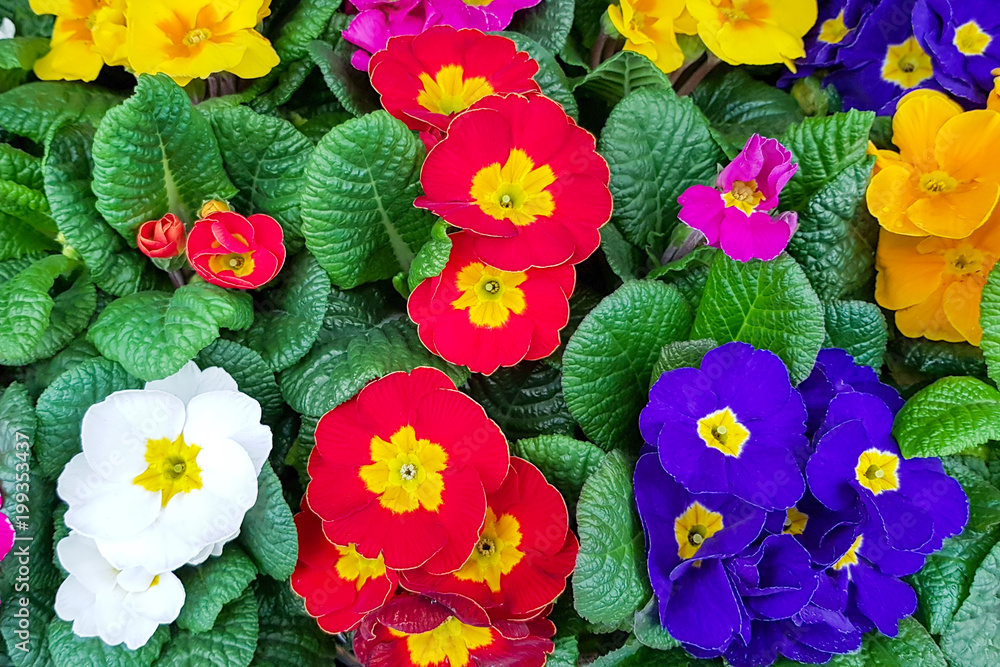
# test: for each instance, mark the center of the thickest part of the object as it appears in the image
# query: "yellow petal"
(915, 127)
(757, 43)
(242, 16)
(966, 146)
(928, 319)
(76, 9)
(961, 307)
(795, 17)
(905, 277)
(685, 23)
(957, 214)
(890, 195)
(259, 57)
(69, 58)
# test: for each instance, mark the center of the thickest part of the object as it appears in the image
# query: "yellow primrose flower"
(192, 39)
(86, 35)
(754, 32)
(648, 27)
(993, 101)
(946, 180)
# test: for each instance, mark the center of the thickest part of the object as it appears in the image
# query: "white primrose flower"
(119, 606)
(168, 472)
(7, 29)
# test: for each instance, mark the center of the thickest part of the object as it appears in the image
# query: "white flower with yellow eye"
(168, 472)
(119, 606)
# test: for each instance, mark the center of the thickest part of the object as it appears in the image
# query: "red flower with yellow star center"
(517, 171)
(479, 316)
(448, 631)
(524, 554)
(339, 585)
(403, 470)
(427, 79)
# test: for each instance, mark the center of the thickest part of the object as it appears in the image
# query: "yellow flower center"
(213, 206)
(693, 527)
(490, 295)
(851, 557)
(450, 92)
(744, 195)
(352, 566)
(834, 30)
(876, 471)
(515, 191)
(241, 264)
(452, 641)
(721, 431)
(496, 553)
(405, 472)
(173, 468)
(971, 40)
(795, 522)
(477, 3)
(907, 64)
(964, 260)
(197, 36)
(937, 182)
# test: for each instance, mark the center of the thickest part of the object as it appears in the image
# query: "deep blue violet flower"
(836, 372)
(963, 40)
(836, 27)
(688, 536)
(734, 426)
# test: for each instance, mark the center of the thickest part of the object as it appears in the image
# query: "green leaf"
(525, 400)
(972, 639)
(307, 22)
(29, 648)
(68, 650)
(230, 643)
(287, 634)
(989, 317)
(626, 261)
(34, 324)
(587, 19)
(155, 154)
(290, 315)
(22, 52)
(648, 629)
(914, 647)
(33, 110)
(153, 334)
(836, 239)
(984, 498)
(350, 86)
(357, 208)
(550, 77)
(567, 653)
(657, 146)
(432, 256)
(682, 354)
(26, 203)
(938, 358)
(635, 654)
(566, 463)
(19, 238)
(825, 147)
(212, 585)
(769, 305)
(621, 74)
(859, 328)
(62, 405)
(547, 23)
(608, 360)
(114, 266)
(266, 159)
(268, 531)
(609, 582)
(252, 374)
(18, 166)
(949, 416)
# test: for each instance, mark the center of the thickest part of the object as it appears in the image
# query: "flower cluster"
(738, 32)
(736, 215)
(513, 171)
(185, 39)
(769, 537)
(421, 531)
(164, 480)
(875, 52)
(936, 203)
(223, 247)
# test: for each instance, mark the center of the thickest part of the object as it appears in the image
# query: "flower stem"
(177, 278)
(699, 74)
(598, 51)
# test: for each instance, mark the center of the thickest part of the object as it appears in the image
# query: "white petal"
(7, 29)
(230, 415)
(214, 550)
(74, 601)
(202, 555)
(111, 616)
(228, 472)
(190, 381)
(135, 579)
(115, 431)
(78, 481)
(138, 632)
(160, 603)
(155, 549)
(118, 510)
(80, 557)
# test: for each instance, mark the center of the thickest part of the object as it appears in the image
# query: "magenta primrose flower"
(736, 214)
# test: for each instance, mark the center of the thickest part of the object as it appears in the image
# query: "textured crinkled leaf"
(357, 208)
(63, 403)
(825, 147)
(657, 145)
(432, 256)
(266, 160)
(31, 651)
(913, 647)
(26, 203)
(608, 360)
(336, 370)
(72, 311)
(635, 654)
(973, 637)
(287, 635)
(626, 261)
(155, 154)
(769, 305)
(550, 77)
(949, 416)
(114, 266)
(525, 400)
(350, 86)
(989, 317)
(268, 531)
(567, 653)
(33, 110)
(22, 52)
(984, 497)
(212, 585)
(20, 167)
(937, 358)
(609, 583)
(648, 630)
(682, 354)
(566, 462)
(859, 328)
(836, 239)
(547, 23)
(288, 78)
(252, 374)
(306, 23)
(153, 334)
(18, 238)
(622, 73)
(230, 643)
(68, 650)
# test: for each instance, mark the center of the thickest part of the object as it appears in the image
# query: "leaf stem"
(698, 74)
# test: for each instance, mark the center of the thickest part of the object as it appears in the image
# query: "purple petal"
(703, 610)
(883, 599)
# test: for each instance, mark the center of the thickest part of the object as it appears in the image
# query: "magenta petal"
(735, 236)
(6, 536)
(702, 208)
(768, 236)
(746, 166)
